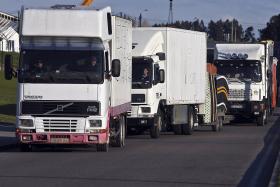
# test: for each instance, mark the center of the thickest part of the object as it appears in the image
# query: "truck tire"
(187, 129)
(25, 147)
(262, 119)
(119, 139)
(102, 147)
(221, 122)
(218, 125)
(266, 118)
(156, 128)
(177, 129)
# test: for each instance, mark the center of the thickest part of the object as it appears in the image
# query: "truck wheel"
(218, 125)
(262, 119)
(119, 139)
(187, 129)
(177, 129)
(266, 117)
(221, 122)
(25, 147)
(156, 128)
(102, 147)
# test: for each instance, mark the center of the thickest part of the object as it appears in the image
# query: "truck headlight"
(146, 109)
(95, 123)
(26, 123)
(256, 92)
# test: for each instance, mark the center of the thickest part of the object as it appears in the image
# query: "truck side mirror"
(161, 56)
(161, 76)
(116, 68)
(8, 67)
(269, 73)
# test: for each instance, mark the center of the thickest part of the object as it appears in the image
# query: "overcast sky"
(248, 12)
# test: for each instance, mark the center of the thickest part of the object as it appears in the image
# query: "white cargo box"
(122, 50)
(185, 61)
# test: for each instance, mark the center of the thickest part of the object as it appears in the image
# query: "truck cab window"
(156, 74)
(142, 73)
(241, 70)
(107, 62)
(53, 66)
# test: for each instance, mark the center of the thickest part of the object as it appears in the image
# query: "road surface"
(229, 158)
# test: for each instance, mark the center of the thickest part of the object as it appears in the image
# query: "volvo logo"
(59, 108)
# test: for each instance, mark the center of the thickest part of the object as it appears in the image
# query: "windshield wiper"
(143, 85)
(138, 84)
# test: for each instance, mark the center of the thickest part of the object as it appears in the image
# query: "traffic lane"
(7, 128)
(204, 159)
(7, 136)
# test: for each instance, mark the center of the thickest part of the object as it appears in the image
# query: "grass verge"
(7, 100)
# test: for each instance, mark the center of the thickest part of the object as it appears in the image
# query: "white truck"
(74, 77)
(169, 80)
(248, 68)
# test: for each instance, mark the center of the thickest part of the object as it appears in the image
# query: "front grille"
(60, 108)
(56, 125)
(138, 98)
(240, 94)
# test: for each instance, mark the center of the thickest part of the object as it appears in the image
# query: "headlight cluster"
(95, 123)
(26, 123)
(256, 92)
(146, 109)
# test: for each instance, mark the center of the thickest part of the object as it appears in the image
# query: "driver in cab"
(38, 68)
(92, 66)
(145, 77)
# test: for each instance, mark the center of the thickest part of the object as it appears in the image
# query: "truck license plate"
(237, 106)
(60, 139)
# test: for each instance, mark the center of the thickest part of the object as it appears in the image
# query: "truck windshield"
(142, 72)
(58, 66)
(242, 70)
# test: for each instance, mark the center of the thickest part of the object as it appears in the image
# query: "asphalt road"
(230, 158)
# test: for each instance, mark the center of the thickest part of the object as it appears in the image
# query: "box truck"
(169, 80)
(73, 64)
(249, 70)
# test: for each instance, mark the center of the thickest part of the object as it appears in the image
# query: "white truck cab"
(168, 79)
(248, 70)
(73, 64)
(148, 79)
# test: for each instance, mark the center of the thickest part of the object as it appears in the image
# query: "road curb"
(274, 178)
(260, 171)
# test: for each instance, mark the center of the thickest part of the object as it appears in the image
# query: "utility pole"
(140, 20)
(170, 17)
(232, 31)
(235, 34)
(141, 17)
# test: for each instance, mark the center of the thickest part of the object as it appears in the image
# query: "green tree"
(272, 29)
(249, 35)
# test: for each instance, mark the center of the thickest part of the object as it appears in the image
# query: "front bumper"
(62, 138)
(245, 108)
(140, 122)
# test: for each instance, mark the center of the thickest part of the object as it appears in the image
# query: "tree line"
(222, 30)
